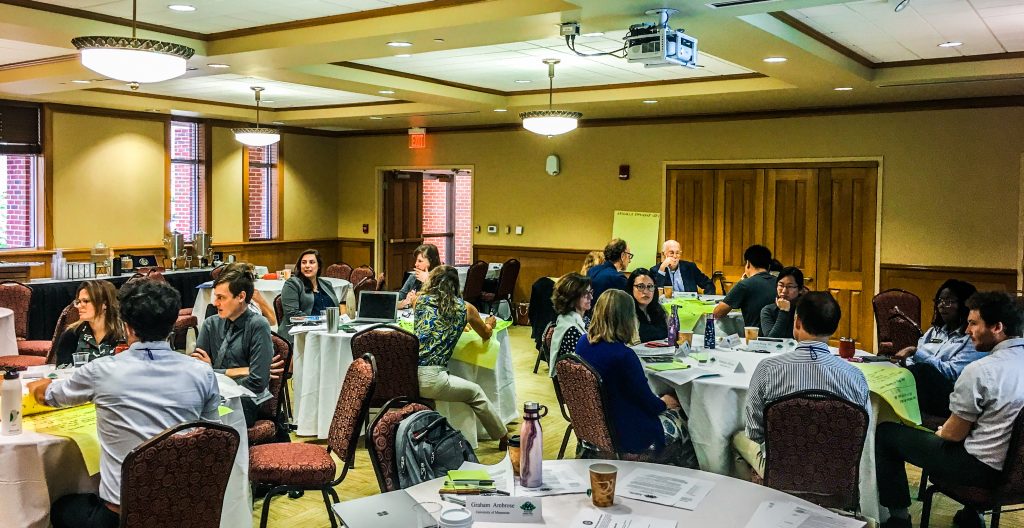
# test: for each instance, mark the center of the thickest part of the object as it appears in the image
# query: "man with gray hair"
(681, 275)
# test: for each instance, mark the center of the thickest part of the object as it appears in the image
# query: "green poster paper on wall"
(640, 230)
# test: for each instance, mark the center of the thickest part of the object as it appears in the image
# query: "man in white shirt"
(138, 394)
(970, 448)
(811, 366)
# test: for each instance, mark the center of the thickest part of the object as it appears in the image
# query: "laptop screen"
(378, 305)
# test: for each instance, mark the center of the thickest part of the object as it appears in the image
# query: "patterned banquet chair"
(18, 298)
(381, 444)
(810, 430)
(292, 467)
(177, 479)
(68, 316)
(269, 416)
(396, 352)
(338, 271)
(887, 304)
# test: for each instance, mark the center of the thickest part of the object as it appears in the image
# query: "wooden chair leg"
(540, 354)
(565, 442)
(926, 510)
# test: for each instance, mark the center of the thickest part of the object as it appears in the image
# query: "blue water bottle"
(709, 332)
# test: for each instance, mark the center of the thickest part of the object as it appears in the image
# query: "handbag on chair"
(523, 314)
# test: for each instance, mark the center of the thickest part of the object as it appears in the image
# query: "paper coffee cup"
(751, 333)
(602, 484)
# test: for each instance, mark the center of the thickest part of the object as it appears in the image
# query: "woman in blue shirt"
(641, 420)
(944, 350)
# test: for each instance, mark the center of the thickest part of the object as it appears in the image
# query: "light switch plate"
(492, 228)
(519, 230)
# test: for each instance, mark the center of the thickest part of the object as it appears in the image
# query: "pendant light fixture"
(257, 137)
(550, 122)
(133, 59)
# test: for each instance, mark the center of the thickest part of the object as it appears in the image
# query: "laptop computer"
(396, 509)
(377, 307)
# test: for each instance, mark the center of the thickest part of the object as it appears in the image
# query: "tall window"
(188, 178)
(18, 200)
(447, 214)
(263, 192)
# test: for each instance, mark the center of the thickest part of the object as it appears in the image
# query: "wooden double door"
(818, 218)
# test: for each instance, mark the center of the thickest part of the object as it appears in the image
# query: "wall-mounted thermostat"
(492, 228)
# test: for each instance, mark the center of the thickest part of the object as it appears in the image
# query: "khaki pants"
(437, 384)
(750, 452)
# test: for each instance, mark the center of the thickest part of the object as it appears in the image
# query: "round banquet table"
(321, 361)
(8, 341)
(731, 502)
(270, 289)
(716, 407)
(40, 468)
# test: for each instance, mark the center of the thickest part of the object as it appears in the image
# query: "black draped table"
(50, 297)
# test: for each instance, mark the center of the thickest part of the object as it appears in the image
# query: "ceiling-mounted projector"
(658, 45)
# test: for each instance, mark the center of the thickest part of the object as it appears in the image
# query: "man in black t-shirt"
(753, 293)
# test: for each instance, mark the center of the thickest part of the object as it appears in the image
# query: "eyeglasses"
(787, 286)
(628, 254)
(645, 287)
(945, 302)
(79, 302)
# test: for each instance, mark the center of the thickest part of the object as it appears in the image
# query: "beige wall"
(310, 187)
(950, 182)
(100, 162)
(225, 186)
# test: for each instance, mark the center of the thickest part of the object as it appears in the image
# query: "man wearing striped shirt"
(811, 366)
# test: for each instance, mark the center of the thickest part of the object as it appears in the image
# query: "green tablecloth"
(471, 348)
(690, 310)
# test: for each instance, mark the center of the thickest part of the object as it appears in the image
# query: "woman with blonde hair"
(592, 259)
(99, 328)
(642, 421)
(440, 317)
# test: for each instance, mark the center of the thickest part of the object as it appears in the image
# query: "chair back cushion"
(360, 274)
(278, 308)
(271, 408)
(902, 332)
(68, 316)
(892, 302)
(338, 271)
(353, 405)
(17, 297)
(580, 386)
(397, 354)
(177, 478)
(1011, 490)
(549, 334)
(507, 280)
(808, 431)
(381, 446)
(474, 281)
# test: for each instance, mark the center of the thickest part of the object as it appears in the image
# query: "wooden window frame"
(205, 160)
(277, 215)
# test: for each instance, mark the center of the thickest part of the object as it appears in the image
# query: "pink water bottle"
(531, 451)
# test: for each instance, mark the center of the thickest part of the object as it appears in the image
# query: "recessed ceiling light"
(500, 110)
(269, 101)
(523, 81)
(951, 44)
(775, 59)
(594, 34)
(81, 81)
(218, 65)
(650, 101)
(386, 92)
(439, 40)
(403, 55)
(399, 44)
(376, 118)
(184, 8)
(843, 89)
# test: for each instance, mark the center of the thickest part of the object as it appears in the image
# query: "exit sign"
(417, 138)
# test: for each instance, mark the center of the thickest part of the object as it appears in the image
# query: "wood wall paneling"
(924, 281)
(534, 263)
(739, 211)
(690, 216)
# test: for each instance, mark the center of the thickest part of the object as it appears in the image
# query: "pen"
(453, 500)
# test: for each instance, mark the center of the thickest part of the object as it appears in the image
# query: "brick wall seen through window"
(261, 218)
(17, 201)
(447, 208)
(188, 178)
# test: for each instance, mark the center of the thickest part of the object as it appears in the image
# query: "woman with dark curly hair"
(944, 350)
(571, 299)
(651, 320)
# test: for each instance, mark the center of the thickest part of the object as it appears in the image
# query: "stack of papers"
(660, 487)
(668, 365)
(598, 519)
(556, 481)
(778, 514)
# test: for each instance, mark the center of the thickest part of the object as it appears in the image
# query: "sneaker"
(968, 518)
(897, 522)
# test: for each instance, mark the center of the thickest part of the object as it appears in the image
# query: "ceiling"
(327, 64)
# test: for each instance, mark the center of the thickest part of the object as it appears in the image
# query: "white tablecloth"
(8, 341)
(730, 504)
(270, 289)
(321, 361)
(40, 468)
(716, 410)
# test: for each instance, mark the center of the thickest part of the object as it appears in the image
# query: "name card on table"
(503, 509)
(729, 364)
(729, 341)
